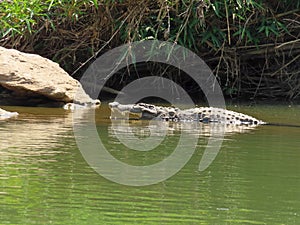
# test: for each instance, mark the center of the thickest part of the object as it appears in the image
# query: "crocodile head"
(120, 108)
(145, 111)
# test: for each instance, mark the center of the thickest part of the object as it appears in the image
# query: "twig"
(287, 43)
(227, 20)
(294, 59)
(287, 13)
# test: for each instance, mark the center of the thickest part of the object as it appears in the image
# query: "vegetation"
(252, 45)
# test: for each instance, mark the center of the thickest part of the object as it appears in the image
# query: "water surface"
(44, 179)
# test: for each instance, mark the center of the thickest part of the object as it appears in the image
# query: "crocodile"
(174, 114)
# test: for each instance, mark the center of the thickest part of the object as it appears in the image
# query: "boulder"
(30, 75)
(6, 115)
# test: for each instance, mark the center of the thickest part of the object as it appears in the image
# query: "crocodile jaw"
(124, 110)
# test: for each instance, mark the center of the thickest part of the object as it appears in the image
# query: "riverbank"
(253, 48)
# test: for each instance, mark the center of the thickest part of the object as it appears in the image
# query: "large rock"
(6, 115)
(31, 75)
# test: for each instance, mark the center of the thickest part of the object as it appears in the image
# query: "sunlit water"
(44, 179)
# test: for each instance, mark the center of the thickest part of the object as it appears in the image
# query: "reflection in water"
(144, 128)
(147, 135)
(34, 132)
(42, 132)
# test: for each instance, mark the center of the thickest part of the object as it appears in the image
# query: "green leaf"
(267, 31)
(262, 28)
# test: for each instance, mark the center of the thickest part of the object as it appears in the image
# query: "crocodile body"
(199, 114)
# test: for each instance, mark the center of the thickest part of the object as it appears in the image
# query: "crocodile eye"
(171, 113)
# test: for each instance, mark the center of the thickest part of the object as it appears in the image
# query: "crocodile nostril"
(113, 104)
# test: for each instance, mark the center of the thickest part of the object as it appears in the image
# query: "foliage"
(186, 22)
(72, 31)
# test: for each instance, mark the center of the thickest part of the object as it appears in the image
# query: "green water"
(44, 179)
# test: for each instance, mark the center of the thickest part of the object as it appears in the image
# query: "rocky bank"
(29, 79)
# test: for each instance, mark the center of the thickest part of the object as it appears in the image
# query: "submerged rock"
(30, 75)
(6, 114)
